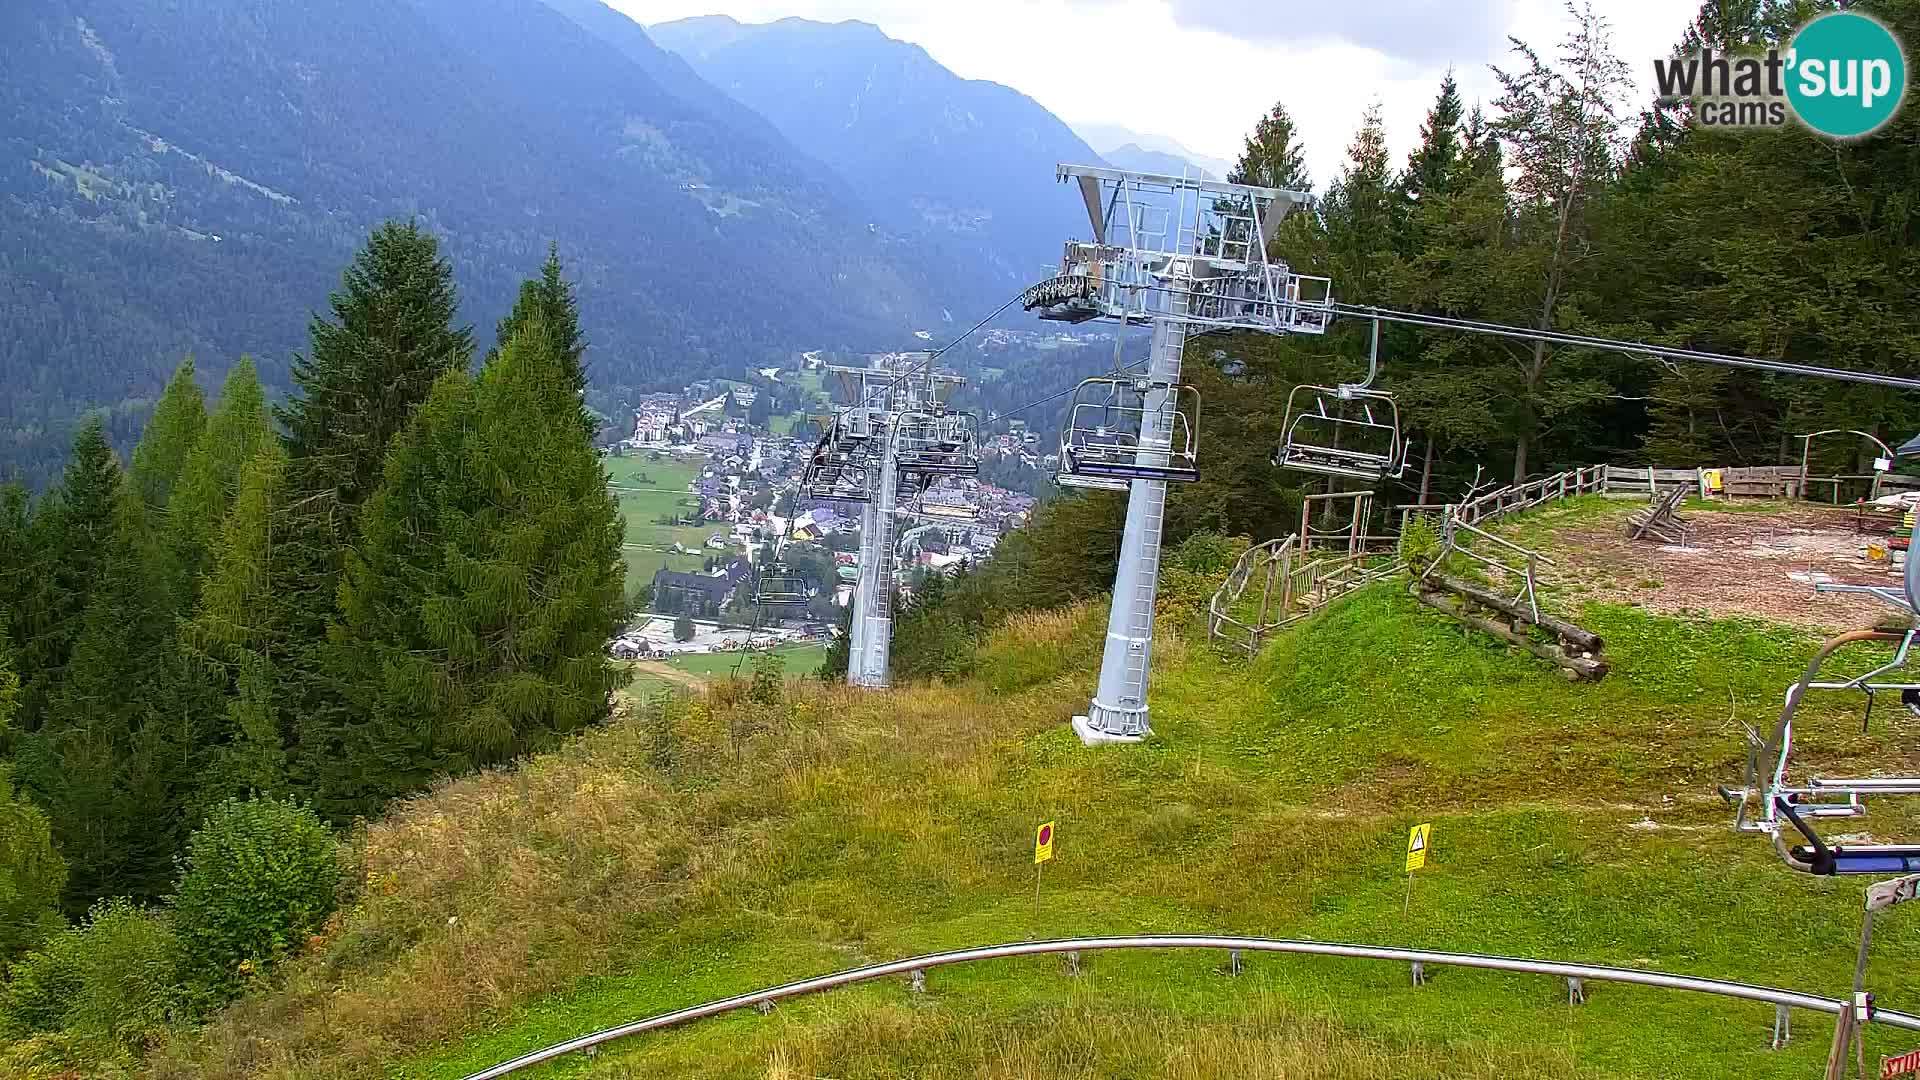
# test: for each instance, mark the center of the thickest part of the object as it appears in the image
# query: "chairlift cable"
(1661, 352)
(1049, 399)
(927, 364)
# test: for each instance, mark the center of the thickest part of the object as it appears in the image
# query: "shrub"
(31, 874)
(43, 987)
(259, 877)
(769, 679)
(1193, 571)
(114, 977)
(1419, 543)
(130, 973)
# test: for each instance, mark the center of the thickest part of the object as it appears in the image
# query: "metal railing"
(917, 967)
(1293, 585)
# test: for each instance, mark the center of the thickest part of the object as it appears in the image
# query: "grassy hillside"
(729, 845)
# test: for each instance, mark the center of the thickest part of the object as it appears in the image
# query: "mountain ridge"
(961, 169)
(193, 179)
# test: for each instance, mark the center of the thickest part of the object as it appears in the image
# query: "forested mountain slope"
(189, 177)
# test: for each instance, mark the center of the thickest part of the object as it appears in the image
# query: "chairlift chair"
(1773, 802)
(838, 467)
(777, 587)
(1111, 434)
(947, 444)
(1349, 431)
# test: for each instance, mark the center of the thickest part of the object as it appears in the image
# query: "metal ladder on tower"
(1146, 587)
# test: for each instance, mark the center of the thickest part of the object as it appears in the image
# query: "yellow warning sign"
(1419, 839)
(1043, 844)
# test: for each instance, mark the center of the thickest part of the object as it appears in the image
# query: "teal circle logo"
(1846, 75)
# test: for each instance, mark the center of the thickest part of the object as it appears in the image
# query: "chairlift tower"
(1182, 255)
(895, 432)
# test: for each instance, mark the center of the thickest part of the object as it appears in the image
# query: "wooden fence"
(1641, 481)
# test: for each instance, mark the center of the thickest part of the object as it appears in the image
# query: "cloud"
(1417, 31)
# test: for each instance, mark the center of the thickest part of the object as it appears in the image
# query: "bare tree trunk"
(1556, 271)
(1426, 473)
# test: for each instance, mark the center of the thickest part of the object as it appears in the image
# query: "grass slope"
(798, 661)
(729, 845)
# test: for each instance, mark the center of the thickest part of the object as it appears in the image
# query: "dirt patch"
(671, 674)
(1760, 565)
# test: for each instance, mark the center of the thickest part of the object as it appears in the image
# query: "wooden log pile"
(1576, 653)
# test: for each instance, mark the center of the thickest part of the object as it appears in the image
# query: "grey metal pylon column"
(1118, 712)
(869, 661)
(857, 624)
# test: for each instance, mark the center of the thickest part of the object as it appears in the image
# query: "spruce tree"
(548, 302)
(69, 537)
(237, 429)
(83, 764)
(487, 576)
(370, 367)
(392, 738)
(1431, 166)
(170, 435)
(1273, 156)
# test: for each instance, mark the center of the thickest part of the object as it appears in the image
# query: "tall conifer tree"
(69, 537)
(112, 819)
(488, 575)
(237, 638)
(370, 367)
(237, 429)
(548, 303)
(170, 435)
(1273, 156)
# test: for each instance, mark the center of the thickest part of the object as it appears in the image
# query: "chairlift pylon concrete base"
(1094, 736)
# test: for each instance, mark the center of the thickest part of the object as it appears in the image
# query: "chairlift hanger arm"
(1665, 352)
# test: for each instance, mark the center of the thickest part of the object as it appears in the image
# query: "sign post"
(1850, 1028)
(1042, 852)
(1419, 840)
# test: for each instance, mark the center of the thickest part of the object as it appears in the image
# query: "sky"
(1202, 71)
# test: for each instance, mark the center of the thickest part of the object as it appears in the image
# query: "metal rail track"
(1786, 999)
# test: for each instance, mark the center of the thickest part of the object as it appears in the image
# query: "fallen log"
(1587, 640)
(1575, 667)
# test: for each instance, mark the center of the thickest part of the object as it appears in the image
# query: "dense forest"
(1559, 205)
(260, 623)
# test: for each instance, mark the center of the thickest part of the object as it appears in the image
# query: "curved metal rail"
(1744, 991)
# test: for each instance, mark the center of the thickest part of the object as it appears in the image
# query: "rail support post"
(1073, 964)
(917, 981)
(1782, 1027)
(1233, 962)
(1576, 991)
(1419, 973)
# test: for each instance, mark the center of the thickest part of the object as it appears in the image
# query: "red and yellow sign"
(1043, 844)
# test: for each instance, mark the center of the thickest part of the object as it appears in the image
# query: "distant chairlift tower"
(1183, 255)
(859, 460)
